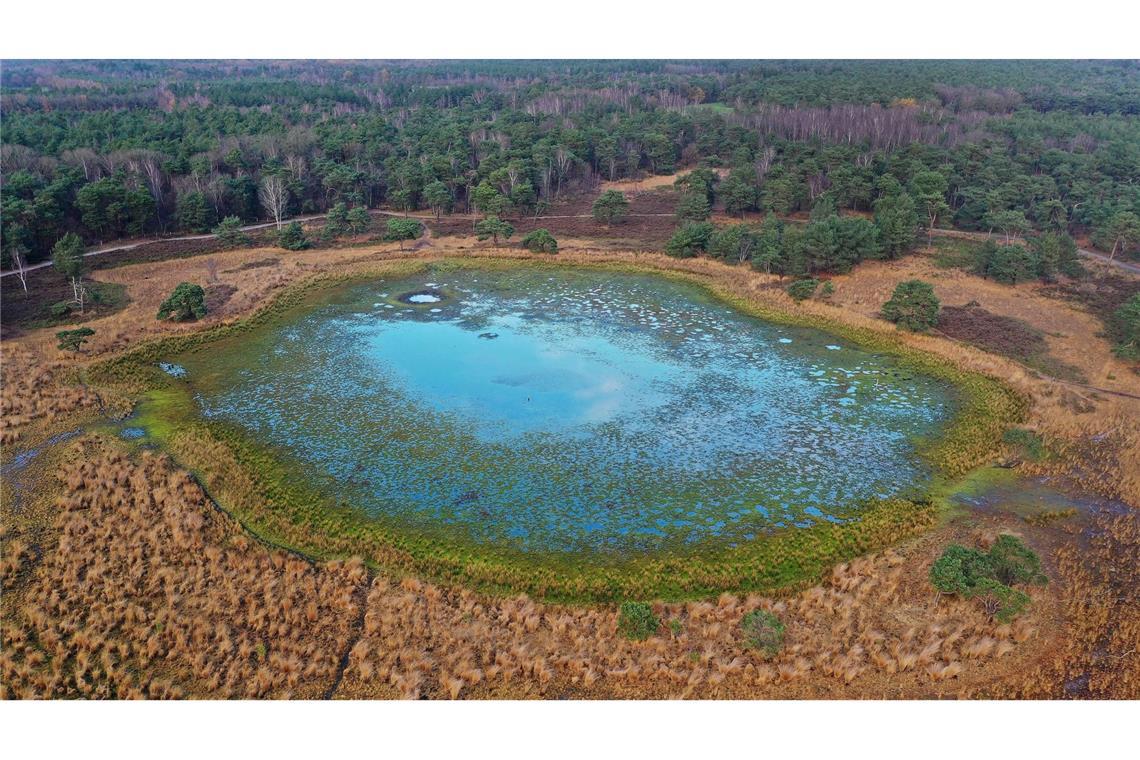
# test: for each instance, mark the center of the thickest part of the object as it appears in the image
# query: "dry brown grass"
(150, 592)
(1097, 435)
(138, 586)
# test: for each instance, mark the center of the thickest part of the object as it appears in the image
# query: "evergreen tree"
(897, 220)
(611, 206)
(913, 305)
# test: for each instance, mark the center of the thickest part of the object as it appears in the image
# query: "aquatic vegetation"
(638, 417)
(248, 476)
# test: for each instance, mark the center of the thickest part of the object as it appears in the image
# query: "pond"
(540, 409)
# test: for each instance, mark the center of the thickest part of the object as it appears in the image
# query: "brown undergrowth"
(149, 591)
(127, 581)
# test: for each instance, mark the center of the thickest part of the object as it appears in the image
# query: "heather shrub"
(989, 576)
(802, 289)
(636, 620)
(763, 631)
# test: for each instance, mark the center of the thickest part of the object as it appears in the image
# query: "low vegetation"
(990, 576)
(540, 241)
(636, 620)
(763, 631)
(188, 301)
(913, 305)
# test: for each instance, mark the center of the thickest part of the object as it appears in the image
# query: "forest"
(115, 149)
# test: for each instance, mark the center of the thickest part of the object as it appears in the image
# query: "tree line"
(490, 139)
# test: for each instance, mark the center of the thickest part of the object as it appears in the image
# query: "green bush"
(636, 620)
(1124, 328)
(801, 289)
(973, 575)
(690, 240)
(611, 206)
(493, 227)
(763, 631)
(1014, 562)
(230, 234)
(540, 241)
(60, 309)
(188, 301)
(400, 230)
(73, 340)
(913, 305)
(1029, 442)
(1009, 264)
(292, 237)
(828, 290)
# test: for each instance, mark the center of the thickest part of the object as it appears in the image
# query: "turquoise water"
(548, 410)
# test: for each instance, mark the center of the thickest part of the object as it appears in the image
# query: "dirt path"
(978, 236)
(982, 237)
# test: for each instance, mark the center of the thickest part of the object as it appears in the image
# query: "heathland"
(189, 563)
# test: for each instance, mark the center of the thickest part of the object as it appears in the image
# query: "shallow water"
(556, 411)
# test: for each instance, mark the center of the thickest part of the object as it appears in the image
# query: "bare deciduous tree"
(19, 264)
(274, 195)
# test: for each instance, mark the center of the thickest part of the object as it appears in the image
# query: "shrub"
(403, 229)
(540, 241)
(188, 301)
(73, 340)
(1014, 562)
(690, 240)
(763, 631)
(230, 234)
(1124, 327)
(358, 220)
(336, 220)
(913, 305)
(801, 289)
(493, 227)
(973, 575)
(1028, 441)
(1009, 264)
(611, 206)
(693, 207)
(59, 310)
(636, 620)
(292, 237)
(828, 290)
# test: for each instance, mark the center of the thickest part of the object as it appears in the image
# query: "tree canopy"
(188, 301)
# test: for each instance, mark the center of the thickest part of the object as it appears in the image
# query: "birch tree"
(274, 196)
